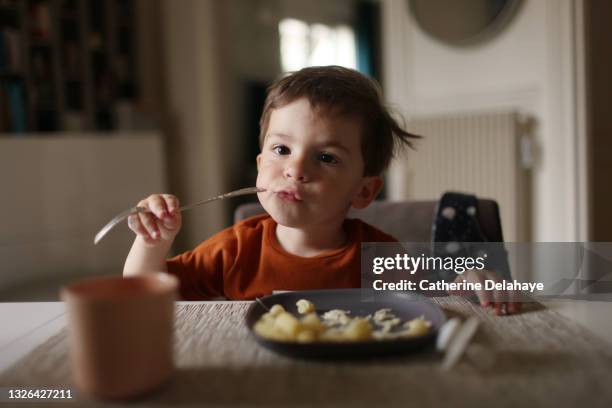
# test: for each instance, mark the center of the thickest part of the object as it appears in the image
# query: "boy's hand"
(162, 223)
(502, 302)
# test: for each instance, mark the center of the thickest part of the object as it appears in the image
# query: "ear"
(258, 160)
(370, 188)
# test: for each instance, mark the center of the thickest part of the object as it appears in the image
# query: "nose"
(296, 170)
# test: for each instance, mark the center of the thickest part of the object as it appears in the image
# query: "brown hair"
(343, 91)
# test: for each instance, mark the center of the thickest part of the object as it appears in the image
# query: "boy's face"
(312, 167)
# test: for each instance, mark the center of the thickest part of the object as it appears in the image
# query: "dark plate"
(360, 302)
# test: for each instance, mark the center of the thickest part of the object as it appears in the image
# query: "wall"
(58, 191)
(193, 128)
(529, 67)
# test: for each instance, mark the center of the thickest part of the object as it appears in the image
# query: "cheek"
(342, 181)
(267, 170)
(347, 189)
(269, 166)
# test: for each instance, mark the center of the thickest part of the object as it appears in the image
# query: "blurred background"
(103, 102)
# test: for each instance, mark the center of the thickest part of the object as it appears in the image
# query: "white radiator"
(475, 153)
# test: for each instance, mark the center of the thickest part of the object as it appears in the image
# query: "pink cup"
(121, 333)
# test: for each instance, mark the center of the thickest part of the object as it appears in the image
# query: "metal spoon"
(262, 304)
(134, 210)
(459, 343)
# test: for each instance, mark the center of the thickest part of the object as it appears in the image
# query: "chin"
(284, 217)
(288, 220)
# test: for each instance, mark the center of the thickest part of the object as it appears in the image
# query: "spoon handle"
(135, 210)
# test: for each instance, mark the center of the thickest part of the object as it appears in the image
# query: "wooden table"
(538, 358)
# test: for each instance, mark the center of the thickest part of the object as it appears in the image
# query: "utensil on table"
(135, 210)
(458, 344)
(262, 304)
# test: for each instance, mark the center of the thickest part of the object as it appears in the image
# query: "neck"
(311, 241)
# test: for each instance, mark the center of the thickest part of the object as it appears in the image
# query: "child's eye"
(280, 149)
(328, 158)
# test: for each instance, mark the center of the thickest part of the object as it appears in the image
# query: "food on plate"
(276, 310)
(386, 320)
(335, 325)
(304, 306)
(417, 327)
(336, 317)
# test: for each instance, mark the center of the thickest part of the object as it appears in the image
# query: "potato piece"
(312, 322)
(358, 329)
(380, 335)
(304, 306)
(417, 327)
(331, 334)
(268, 331)
(276, 310)
(306, 336)
(287, 324)
(267, 318)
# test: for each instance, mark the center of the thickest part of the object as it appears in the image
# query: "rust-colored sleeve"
(201, 270)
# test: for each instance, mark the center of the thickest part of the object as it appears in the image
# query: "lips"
(289, 195)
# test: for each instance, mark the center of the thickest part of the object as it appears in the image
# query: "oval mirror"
(462, 22)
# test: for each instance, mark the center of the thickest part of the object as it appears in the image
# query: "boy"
(325, 139)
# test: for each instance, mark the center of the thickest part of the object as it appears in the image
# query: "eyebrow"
(281, 135)
(322, 145)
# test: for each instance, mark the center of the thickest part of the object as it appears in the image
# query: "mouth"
(289, 195)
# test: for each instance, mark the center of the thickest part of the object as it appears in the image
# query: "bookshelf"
(66, 65)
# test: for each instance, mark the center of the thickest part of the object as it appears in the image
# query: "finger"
(170, 223)
(499, 308)
(157, 205)
(148, 221)
(499, 296)
(483, 295)
(135, 225)
(172, 203)
(514, 305)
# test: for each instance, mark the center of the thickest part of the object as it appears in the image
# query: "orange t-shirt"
(246, 260)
